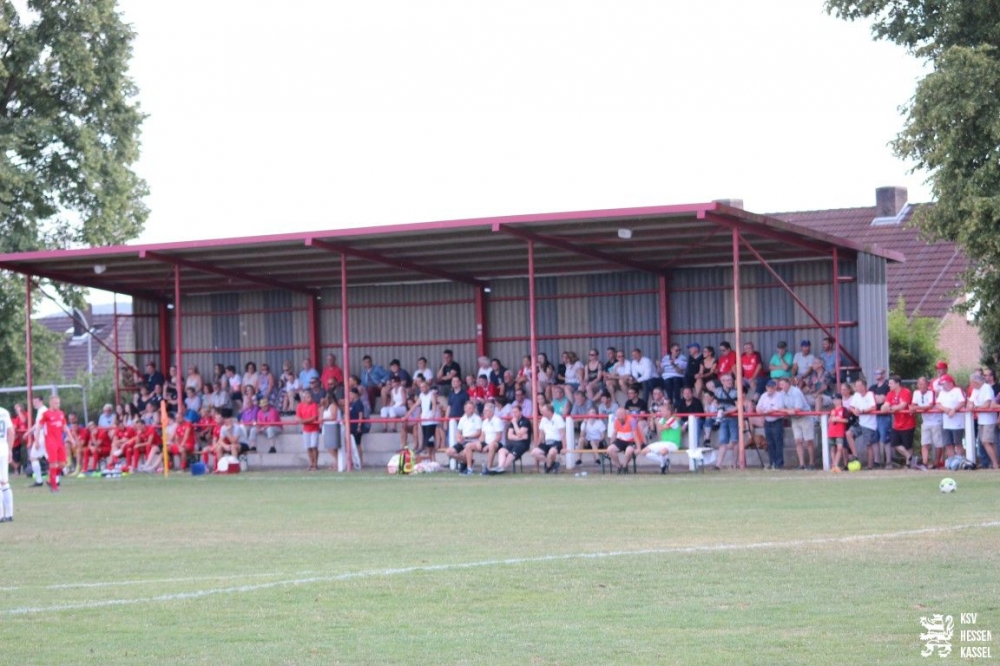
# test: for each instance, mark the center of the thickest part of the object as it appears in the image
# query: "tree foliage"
(913, 343)
(69, 135)
(952, 130)
(46, 348)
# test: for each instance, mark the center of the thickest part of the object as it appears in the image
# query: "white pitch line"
(717, 548)
(150, 581)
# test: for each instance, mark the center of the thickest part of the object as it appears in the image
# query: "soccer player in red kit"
(182, 444)
(145, 439)
(98, 446)
(56, 428)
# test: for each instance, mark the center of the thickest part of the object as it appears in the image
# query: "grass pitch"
(752, 568)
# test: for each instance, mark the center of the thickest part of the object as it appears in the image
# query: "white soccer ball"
(393, 466)
(948, 485)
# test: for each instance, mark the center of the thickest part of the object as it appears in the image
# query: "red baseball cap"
(948, 378)
(941, 365)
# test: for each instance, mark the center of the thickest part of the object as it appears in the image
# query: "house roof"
(474, 251)
(928, 280)
(75, 349)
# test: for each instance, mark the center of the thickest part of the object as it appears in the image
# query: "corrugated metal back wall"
(574, 313)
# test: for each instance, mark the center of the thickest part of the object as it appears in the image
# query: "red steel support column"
(836, 314)
(481, 329)
(738, 346)
(177, 328)
(117, 358)
(163, 318)
(313, 314)
(345, 351)
(664, 305)
(27, 345)
(533, 334)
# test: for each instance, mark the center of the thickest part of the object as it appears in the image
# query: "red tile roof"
(929, 278)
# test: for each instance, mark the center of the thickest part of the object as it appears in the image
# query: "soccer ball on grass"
(948, 485)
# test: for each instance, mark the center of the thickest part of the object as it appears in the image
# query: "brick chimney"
(889, 201)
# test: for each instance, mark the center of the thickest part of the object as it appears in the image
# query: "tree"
(952, 130)
(912, 343)
(69, 135)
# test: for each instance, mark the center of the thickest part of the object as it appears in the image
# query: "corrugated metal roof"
(663, 238)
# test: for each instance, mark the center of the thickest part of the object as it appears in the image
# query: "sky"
(326, 115)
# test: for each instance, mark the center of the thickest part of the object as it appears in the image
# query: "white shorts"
(310, 440)
(931, 433)
(4, 463)
(37, 454)
(803, 428)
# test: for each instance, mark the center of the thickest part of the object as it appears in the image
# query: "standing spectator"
(687, 405)
(803, 360)
(727, 398)
(457, 397)
(880, 389)
(897, 404)
(727, 359)
(772, 406)
(20, 421)
(428, 416)
(837, 431)
(673, 366)
(359, 427)
(36, 441)
(931, 422)
(307, 415)
(982, 400)
(781, 361)
(803, 427)
(862, 405)
(447, 371)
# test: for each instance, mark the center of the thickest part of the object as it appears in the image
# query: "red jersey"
(146, 437)
(331, 377)
(726, 364)
(100, 439)
(54, 422)
(309, 413)
(124, 432)
(904, 418)
(837, 428)
(184, 434)
(750, 363)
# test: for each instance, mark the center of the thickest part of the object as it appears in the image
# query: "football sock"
(54, 471)
(8, 502)
(36, 471)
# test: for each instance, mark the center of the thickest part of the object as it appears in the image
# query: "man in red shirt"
(332, 376)
(753, 369)
(897, 403)
(727, 360)
(97, 446)
(122, 441)
(145, 439)
(182, 444)
(56, 428)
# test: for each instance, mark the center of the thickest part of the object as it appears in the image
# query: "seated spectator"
(423, 371)
(497, 372)
(153, 380)
(410, 424)
(150, 414)
(289, 388)
(524, 375)
(624, 435)
(97, 448)
(192, 404)
(373, 379)
(595, 431)
(579, 409)
(546, 375)
(668, 437)
(250, 379)
(518, 440)
(727, 360)
(490, 435)
(219, 398)
(266, 384)
(802, 362)
(550, 439)
(107, 417)
(672, 368)
(331, 429)
(560, 403)
(707, 377)
(593, 375)
(483, 368)
(122, 441)
(818, 386)
(182, 441)
(507, 387)
(145, 439)
(395, 406)
(689, 404)
(607, 406)
(574, 374)
(193, 380)
(656, 400)
(205, 428)
(235, 382)
(467, 438)
(781, 361)
(447, 371)
(521, 402)
(754, 377)
(619, 377)
(395, 371)
(693, 369)
(481, 392)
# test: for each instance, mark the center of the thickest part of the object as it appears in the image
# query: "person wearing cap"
(694, 359)
(780, 364)
(267, 420)
(803, 360)
(883, 420)
(772, 406)
(950, 400)
(803, 426)
(981, 399)
(897, 405)
(395, 370)
(940, 370)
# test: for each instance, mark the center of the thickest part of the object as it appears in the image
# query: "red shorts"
(56, 453)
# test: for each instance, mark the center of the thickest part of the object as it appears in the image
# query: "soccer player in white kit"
(6, 494)
(36, 448)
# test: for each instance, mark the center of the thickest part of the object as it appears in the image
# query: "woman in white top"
(574, 373)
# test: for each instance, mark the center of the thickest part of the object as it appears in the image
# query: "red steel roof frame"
(569, 242)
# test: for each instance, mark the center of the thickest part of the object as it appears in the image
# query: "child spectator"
(837, 431)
